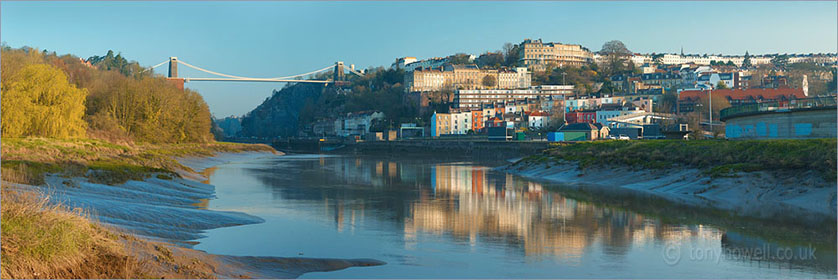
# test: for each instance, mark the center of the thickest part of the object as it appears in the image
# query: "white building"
(710, 80)
(472, 98)
(519, 78)
(403, 61)
(640, 59)
(607, 112)
(537, 120)
(453, 123)
(461, 122)
(435, 62)
(356, 123)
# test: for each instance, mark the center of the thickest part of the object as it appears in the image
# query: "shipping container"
(575, 136)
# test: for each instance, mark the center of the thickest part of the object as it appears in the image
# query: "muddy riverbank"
(787, 196)
(164, 209)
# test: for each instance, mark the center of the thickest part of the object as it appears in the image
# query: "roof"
(754, 93)
(611, 107)
(659, 76)
(578, 127)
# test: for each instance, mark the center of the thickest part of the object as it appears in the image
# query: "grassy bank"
(41, 241)
(717, 158)
(45, 240)
(26, 160)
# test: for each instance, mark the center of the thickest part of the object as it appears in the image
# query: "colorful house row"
(461, 122)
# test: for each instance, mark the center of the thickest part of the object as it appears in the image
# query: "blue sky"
(269, 39)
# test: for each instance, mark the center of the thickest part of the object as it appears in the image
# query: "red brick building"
(583, 116)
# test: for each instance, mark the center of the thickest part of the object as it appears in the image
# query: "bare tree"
(617, 56)
(489, 81)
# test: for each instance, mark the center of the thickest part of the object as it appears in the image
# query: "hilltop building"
(536, 55)
(464, 77)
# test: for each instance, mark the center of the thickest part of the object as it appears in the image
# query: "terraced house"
(537, 55)
(469, 76)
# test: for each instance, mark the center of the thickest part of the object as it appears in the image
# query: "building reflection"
(472, 204)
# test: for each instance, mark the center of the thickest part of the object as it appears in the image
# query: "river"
(435, 218)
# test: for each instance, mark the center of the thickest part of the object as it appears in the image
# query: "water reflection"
(467, 202)
(474, 206)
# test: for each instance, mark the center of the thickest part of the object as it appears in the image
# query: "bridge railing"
(785, 105)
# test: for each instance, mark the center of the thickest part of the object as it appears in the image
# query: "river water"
(432, 218)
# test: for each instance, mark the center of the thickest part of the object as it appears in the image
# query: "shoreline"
(158, 219)
(801, 198)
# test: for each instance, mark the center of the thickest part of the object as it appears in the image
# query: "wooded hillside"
(107, 97)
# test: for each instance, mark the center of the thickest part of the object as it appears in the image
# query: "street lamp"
(711, 109)
(564, 82)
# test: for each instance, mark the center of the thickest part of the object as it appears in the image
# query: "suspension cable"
(209, 71)
(239, 77)
(304, 74)
(155, 66)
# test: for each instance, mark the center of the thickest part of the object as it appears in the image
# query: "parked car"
(623, 137)
(611, 137)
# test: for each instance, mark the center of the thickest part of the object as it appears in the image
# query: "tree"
(657, 59)
(746, 63)
(39, 101)
(511, 54)
(780, 61)
(489, 59)
(721, 85)
(118, 63)
(458, 59)
(617, 56)
(615, 47)
(489, 81)
(719, 103)
(123, 106)
(668, 103)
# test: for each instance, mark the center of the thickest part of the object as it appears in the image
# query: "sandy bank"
(769, 195)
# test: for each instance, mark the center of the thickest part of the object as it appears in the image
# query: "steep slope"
(279, 115)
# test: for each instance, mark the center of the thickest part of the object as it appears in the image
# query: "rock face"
(279, 115)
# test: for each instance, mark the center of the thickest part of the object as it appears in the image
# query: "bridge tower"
(339, 71)
(173, 78)
(173, 67)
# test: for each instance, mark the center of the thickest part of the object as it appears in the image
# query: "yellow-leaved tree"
(39, 101)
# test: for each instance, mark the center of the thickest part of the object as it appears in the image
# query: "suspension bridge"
(338, 75)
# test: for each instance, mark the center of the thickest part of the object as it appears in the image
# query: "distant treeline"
(107, 97)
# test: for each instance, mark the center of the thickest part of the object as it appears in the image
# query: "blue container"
(555, 136)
